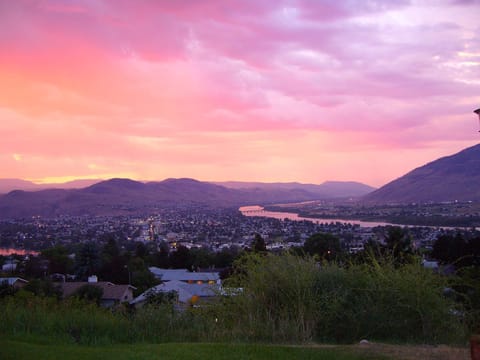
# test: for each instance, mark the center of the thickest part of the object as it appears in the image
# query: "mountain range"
(7, 185)
(326, 190)
(455, 177)
(123, 196)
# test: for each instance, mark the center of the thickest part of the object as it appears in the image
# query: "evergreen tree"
(259, 244)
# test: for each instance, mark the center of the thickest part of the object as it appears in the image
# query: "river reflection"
(10, 251)
(260, 211)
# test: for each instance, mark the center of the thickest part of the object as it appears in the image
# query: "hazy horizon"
(267, 91)
(159, 180)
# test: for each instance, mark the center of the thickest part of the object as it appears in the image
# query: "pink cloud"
(331, 9)
(234, 86)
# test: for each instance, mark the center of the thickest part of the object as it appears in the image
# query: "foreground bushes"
(383, 302)
(274, 298)
(75, 320)
(70, 320)
(287, 298)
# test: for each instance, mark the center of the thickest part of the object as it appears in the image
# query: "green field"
(13, 349)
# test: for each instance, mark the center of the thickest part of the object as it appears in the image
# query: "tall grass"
(276, 299)
(383, 302)
(287, 298)
(71, 320)
(77, 321)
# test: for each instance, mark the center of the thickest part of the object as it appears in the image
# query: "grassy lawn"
(13, 349)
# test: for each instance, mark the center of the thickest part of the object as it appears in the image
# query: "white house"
(186, 293)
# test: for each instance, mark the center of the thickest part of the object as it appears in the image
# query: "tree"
(473, 249)
(181, 258)
(259, 244)
(140, 250)
(449, 249)
(58, 260)
(324, 245)
(201, 258)
(139, 275)
(110, 249)
(113, 266)
(397, 238)
(225, 257)
(159, 257)
(43, 288)
(115, 270)
(143, 280)
(399, 242)
(36, 267)
(88, 260)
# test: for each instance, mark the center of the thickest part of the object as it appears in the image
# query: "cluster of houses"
(191, 288)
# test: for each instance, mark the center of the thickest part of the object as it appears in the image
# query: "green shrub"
(385, 302)
(278, 301)
(288, 298)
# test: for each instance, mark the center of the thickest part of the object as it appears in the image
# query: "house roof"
(12, 280)
(110, 290)
(430, 264)
(183, 275)
(185, 291)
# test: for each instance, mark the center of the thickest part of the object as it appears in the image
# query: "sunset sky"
(262, 90)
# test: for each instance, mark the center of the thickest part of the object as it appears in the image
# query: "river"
(10, 251)
(260, 211)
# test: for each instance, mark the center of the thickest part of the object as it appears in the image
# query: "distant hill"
(455, 177)
(125, 196)
(326, 190)
(7, 185)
